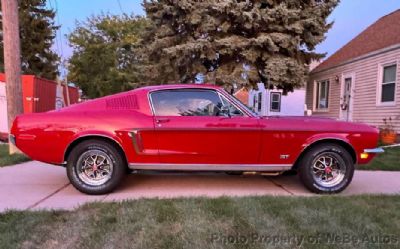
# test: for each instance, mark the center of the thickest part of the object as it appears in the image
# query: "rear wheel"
(95, 167)
(326, 169)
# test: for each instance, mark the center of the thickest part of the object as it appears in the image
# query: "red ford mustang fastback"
(190, 128)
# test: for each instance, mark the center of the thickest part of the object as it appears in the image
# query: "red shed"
(39, 95)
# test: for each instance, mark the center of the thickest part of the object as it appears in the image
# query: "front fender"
(326, 136)
(342, 139)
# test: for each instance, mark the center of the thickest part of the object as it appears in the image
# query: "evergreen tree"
(235, 41)
(37, 32)
(104, 59)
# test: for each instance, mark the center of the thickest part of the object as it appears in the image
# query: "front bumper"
(374, 150)
(368, 154)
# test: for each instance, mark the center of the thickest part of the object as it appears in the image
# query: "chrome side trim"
(211, 167)
(375, 150)
(151, 103)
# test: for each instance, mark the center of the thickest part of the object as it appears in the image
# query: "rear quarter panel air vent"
(128, 102)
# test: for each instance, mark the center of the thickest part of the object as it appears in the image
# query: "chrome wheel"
(94, 167)
(327, 170)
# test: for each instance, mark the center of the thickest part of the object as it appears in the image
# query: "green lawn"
(7, 159)
(390, 160)
(251, 222)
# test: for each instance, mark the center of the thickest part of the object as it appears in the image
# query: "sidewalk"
(34, 185)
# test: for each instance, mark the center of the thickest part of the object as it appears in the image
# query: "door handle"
(162, 120)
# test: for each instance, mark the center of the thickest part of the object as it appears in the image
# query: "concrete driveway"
(34, 185)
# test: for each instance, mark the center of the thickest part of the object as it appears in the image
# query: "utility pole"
(12, 61)
(65, 65)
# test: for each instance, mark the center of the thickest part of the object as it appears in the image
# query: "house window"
(388, 87)
(259, 101)
(275, 105)
(322, 94)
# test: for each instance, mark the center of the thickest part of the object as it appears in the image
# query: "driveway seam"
(282, 187)
(47, 197)
(102, 200)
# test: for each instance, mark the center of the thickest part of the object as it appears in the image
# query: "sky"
(68, 12)
(350, 18)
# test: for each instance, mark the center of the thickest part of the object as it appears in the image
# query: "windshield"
(241, 105)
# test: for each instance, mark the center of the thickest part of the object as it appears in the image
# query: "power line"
(58, 34)
(120, 7)
(59, 30)
(59, 37)
(56, 43)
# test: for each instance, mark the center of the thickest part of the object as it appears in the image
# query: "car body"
(188, 128)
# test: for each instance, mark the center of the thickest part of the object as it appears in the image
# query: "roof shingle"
(384, 33)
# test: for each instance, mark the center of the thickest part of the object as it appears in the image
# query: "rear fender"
(114, 137)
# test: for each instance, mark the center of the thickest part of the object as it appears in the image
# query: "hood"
(318, 124)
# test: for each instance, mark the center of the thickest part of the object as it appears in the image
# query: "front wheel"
(326, 169)
(95, 167)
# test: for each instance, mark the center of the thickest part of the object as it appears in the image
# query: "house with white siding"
(361, 81)
(272, 102)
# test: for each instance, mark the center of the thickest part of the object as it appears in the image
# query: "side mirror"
(225, 111)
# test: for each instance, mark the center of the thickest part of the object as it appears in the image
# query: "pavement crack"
(47, 197)
(282, 187)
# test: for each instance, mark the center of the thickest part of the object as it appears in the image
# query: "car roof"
(178, 86)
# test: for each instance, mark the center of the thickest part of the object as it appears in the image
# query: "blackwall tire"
(95, 167)
(326, 169)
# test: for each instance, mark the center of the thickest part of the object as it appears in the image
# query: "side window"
(186, 103)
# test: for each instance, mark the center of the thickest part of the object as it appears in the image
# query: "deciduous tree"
(104, 59)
